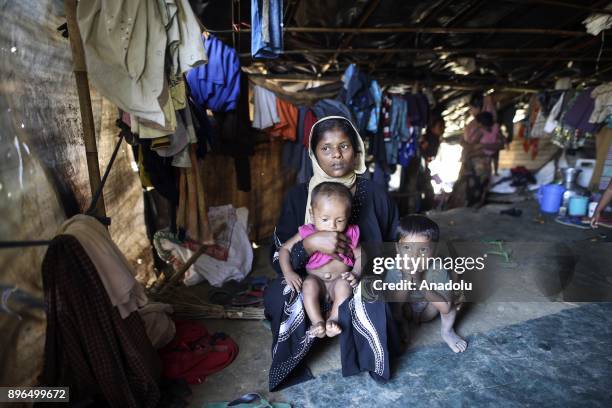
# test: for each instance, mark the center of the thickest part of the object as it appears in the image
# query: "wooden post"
(80, 74)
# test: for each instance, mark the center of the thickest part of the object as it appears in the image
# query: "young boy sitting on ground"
(417, 238)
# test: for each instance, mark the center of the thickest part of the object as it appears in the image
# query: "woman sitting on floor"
(368, 331)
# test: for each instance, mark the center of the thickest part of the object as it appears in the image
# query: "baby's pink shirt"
(319, 259)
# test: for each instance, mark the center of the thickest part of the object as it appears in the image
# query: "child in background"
(418, 237)
(490, 137)
(330, 278)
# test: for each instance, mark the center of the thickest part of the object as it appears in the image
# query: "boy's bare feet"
(332, 328)
(456, 343)
(317, 330)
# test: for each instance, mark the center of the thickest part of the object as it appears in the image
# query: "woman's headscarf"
(319, 176)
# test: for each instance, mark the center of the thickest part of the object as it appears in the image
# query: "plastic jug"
(550, 197)
(578, 206)
(587, 166)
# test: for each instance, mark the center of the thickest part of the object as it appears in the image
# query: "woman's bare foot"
(332, 328)
(317, 330)
(456, 343)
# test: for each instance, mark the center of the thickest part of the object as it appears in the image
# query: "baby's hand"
(294, 281)
(351, 279)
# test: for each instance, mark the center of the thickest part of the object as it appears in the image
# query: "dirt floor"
(537, 247)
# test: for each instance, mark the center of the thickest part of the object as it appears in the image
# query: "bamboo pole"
(89, 131)
(204, 232)
(165, 284)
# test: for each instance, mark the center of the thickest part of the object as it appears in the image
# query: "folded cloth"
(114, 270)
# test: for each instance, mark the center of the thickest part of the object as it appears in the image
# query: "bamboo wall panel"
(269, 182)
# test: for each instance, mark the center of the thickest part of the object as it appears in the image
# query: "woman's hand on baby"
(294, 281)
(327, 242)
(351, 279)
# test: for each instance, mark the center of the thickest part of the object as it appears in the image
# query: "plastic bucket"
(550, 197)
(578, 206)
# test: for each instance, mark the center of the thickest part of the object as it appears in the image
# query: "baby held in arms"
(330, 278)
(418, 237)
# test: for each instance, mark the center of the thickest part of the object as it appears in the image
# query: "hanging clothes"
(579, 113)
(113, 268)
(184, 35)
(376, 93)
(309, 120)
(331, 107)
(417, 109)
(156, 171)
(293, 152)
(355, 94)
(286, 128)
(235, 137)
(265, 112)
(125, 43)
(552, 121)
(603, 103)
(399, 113)
(266, 28)
(216, 85)
(89, 347)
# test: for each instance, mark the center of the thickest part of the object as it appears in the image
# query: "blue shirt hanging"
(216, 85)
(266, 28)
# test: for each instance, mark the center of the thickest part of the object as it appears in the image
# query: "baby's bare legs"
(311, 290)
(341, 291)
(454, 341)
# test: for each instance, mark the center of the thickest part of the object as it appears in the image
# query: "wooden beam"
(82, 82)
